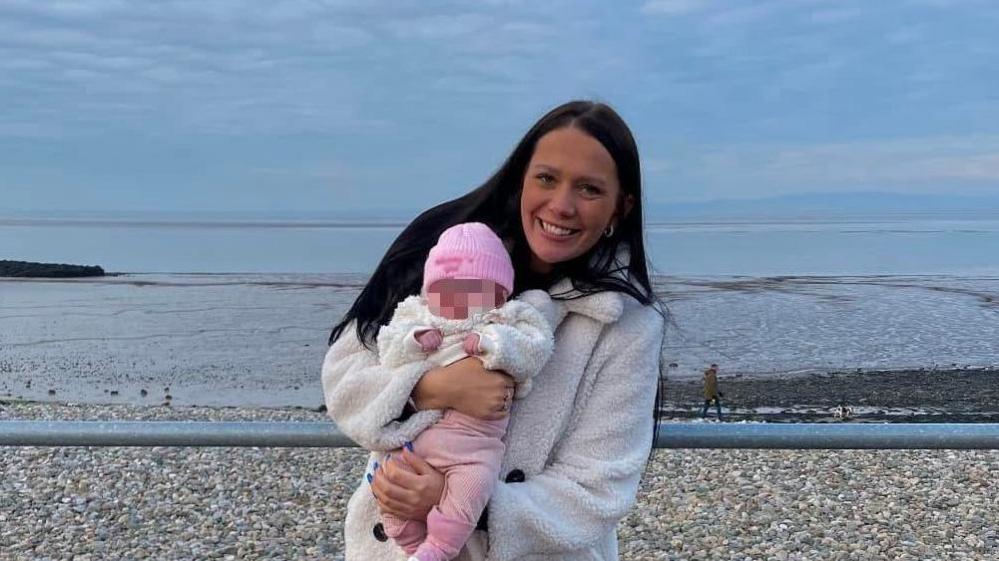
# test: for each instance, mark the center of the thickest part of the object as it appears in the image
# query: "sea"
(225, 310)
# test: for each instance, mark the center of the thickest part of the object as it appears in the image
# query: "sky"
(339, 105)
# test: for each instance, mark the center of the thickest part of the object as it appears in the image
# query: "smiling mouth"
(556, 231)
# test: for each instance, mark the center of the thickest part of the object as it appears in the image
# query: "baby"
(462, 312)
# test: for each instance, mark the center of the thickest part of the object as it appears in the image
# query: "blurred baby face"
(460, 298)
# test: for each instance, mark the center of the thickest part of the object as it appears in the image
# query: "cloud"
(764, 95)
(179, 61)
(308, 66)
(920, 160)
(744, 14)
(904, 35)
(973, 168)
(716, 15)
(833, 16)
(440, 26)
(927, 164)
(334, 171)
(29, 131)
(657, 165)
(947, 4)
(70, 10)
(673, 7)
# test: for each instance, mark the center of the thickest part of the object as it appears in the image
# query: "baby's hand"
(430, 339)
(471, 344)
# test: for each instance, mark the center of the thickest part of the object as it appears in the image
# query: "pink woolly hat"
(469, 251)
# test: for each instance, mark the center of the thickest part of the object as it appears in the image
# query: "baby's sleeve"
(519, 343)
(397, 344)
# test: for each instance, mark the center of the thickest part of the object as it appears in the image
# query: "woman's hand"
(467, 387)
(407, 486)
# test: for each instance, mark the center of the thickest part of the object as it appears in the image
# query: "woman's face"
(569, 198)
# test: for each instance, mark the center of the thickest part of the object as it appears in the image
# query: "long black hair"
(496, 203)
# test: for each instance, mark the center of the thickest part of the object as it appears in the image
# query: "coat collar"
(605, 307)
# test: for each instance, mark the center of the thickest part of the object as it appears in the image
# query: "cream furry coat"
(576, 445)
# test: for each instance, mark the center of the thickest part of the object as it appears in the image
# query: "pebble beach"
(251, 503)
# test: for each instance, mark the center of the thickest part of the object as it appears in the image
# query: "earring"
(609, 231)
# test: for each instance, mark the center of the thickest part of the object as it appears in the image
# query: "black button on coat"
(515, 476)
(379, 532)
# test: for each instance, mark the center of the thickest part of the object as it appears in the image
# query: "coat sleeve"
(365, 399)
(520, 345)
(592, 479)
(397, 344)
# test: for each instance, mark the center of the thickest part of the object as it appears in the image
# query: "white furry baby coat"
(515, 338)
(576, 445)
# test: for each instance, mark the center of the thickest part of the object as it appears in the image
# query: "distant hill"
(831, 205)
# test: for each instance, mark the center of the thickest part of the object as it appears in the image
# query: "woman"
(567, 203)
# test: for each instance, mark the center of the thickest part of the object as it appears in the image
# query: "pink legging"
(468, 451)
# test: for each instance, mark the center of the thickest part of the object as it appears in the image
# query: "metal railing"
(671, 435)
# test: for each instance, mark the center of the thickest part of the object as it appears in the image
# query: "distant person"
(711, 392)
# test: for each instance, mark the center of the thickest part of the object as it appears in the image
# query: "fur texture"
(515, 338)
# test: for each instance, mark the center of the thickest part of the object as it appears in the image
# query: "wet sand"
(922, 395)
(910, 396)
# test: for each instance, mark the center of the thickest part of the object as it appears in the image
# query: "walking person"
(711, 393)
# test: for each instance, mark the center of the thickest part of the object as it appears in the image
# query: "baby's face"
(459, 298)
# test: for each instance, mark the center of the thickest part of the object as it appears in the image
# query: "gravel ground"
(248, 503)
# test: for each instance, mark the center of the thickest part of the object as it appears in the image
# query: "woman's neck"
(537, 280)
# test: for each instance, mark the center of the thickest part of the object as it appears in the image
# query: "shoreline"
(911, 395)
(968, 395)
